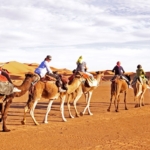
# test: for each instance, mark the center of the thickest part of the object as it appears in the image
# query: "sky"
(102, 31)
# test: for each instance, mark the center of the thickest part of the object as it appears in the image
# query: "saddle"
(44, 79)
(89, 82)
(47, 78)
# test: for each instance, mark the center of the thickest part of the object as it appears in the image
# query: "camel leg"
(142, 98)
(137, 104)
(23, 122)
(88, 99)
(143, 104)
(48, 110)
(32, 112)
(1, 110)
(108, 109)
(138, 95)
(115, 103)
(75, 103)
(26, 108)
(4, 114)
(88, 105)
(117, 106)
(68, 105)
(62, 108)
(125, 102)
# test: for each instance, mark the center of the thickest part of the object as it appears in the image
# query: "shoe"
(130, 87)
(16, 90)
(61, 90)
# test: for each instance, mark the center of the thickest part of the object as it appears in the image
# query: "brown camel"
(139, 91)
(24, 87)
(118, 86)
(85, 89)
(49, 90)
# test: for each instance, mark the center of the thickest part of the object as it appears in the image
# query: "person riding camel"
(140, 76)
(5, 74)
(44, 69)
(81, 66)
(118, 70)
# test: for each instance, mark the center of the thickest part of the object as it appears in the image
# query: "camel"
(7, 99)
(139, 91)
(49, 90)
(87, 91)
(118, 86)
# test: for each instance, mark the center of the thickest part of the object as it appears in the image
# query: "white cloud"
(100, 30)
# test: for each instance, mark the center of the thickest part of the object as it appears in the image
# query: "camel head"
(100, 73)
(30, 76)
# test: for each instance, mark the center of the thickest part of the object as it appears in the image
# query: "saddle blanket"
(92, 82)
(6, 88)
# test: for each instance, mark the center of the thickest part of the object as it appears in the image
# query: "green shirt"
(140, 73)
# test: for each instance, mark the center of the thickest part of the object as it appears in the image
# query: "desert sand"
(125, 130)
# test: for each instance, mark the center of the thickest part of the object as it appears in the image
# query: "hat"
(49, 57)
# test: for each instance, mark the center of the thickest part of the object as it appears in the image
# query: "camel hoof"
(90, 114)
(77, 115)
(23, 122)
(108, 110)
(126, 108)
(64, 120)
(117, 110)
(143, 104)
(81, 114)
(70, 116)
(45, 122)
(6, 130)
(136, 106)
(37, 124)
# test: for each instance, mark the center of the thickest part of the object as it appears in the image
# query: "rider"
(118, 69)
(5, 74)
(140, 75)
(81, 66)
(44, 68)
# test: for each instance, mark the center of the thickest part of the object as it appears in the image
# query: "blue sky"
(102, 31)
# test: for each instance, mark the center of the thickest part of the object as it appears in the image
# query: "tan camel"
(118, 86)
(49, 90)
(87, 91)
(7, 100)
(139, 91)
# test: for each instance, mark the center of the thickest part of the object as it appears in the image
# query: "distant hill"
(19, 69)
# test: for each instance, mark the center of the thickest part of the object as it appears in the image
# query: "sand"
(125, 130)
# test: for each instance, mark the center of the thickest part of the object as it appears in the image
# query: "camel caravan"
(53, 86)
(45, 88)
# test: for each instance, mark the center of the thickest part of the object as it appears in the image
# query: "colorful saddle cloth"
(90, 82)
